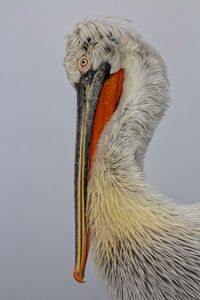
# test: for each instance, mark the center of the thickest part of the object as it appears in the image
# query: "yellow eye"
(84, 64)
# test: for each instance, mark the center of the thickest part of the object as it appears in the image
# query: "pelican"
(143, 245)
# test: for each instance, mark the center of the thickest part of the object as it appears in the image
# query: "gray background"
(37, 131)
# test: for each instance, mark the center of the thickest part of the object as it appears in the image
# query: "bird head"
(106, 63)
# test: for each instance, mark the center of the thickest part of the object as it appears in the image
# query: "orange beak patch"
(108, 100)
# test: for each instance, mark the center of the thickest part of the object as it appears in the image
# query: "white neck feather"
(119, 199)
(142, 104)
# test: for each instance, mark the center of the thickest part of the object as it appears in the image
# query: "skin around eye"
(83, 64)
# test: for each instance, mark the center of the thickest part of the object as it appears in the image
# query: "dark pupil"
(83, 62)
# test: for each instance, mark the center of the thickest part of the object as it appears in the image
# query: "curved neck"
(116, 179)
(143, 101)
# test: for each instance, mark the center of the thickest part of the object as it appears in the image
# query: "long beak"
(87, 135)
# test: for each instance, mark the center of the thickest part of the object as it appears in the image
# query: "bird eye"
(84, 64)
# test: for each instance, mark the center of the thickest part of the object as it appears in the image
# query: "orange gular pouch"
(107, 103)
(106, 100)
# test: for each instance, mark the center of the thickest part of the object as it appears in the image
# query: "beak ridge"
(88, 91)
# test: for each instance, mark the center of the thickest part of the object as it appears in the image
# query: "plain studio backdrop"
(37, 134)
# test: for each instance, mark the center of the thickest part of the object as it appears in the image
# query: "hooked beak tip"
(78, 276)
